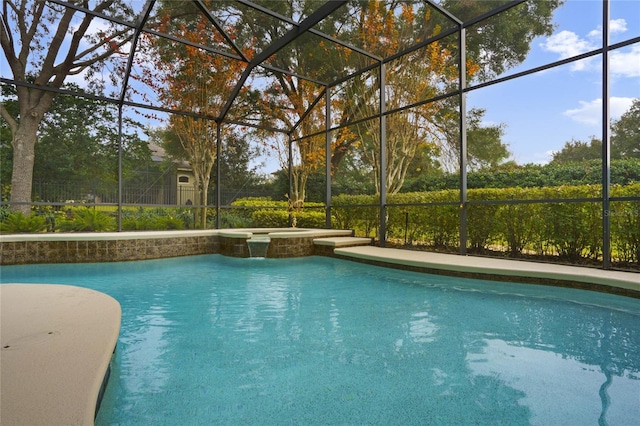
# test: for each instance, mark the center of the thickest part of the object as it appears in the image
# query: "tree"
(410, 78)
(625, 133)
(484, 143)
(236, 172)
(189, 79)
(50, 42)
(308, 152)
(625, 141)
(385, 28)
(67, 150)
(577, 151)
(287, 97)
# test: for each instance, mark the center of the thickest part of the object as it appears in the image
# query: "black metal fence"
(96, 192)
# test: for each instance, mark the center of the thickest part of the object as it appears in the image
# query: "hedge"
(266, 213)
(570, 230)
(622, 172)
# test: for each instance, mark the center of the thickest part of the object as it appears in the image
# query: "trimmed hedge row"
(622, 172)
(266, 213)
(570, 230)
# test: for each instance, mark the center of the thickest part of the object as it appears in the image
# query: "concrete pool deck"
(618, 282)
(56, 348)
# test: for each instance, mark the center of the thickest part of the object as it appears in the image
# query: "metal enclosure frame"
(307, 26)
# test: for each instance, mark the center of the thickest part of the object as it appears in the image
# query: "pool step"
(336, 242)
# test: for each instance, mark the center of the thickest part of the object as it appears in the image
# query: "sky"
(543, 111)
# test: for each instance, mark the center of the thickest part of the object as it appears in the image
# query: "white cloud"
(618, 106)
(567, 44)
(617, 26)
(596, 34)
(625, 63)
(590, 112)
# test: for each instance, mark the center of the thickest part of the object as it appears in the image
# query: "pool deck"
(56, 347)
(619, 282)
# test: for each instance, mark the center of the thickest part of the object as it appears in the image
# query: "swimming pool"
(218, 340)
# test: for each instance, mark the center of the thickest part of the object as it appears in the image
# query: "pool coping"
(146, 235)
(57, 345)
(586, 278)
(295, 242)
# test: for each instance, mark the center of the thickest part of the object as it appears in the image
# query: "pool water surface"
(220, 340)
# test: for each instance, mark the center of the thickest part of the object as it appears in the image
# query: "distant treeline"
(623, 172)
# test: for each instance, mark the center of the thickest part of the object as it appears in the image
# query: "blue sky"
(543, 111)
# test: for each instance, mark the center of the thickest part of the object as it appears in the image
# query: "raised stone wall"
(115, 247)
(111, 250)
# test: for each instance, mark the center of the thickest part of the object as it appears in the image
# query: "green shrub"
(266, 213)
(482, 228)
(233, 219)
(519, 225)
(156, 219)
(625, 224)
(310, 219)
(18, 223)
(88, 220)
(573, 229)
(357, 212)
(168, 222)
(244, 209)
(623, 172)
(270, 219)
(570, 230)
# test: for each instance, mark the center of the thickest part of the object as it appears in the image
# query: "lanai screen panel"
(357, 98)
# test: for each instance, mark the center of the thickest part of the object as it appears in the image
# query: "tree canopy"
(213, 62)
(625, 140)
(44, 44)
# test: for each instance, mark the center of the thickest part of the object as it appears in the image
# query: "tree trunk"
(204, 199)
(24, 142)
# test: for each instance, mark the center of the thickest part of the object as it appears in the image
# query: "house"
(177, 182)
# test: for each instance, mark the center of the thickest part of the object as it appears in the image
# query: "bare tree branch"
(13, 125)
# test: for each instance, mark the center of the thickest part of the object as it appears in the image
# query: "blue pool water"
(219, 340)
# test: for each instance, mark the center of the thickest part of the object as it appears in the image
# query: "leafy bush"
(155, 219)
(357, 212)
(518, 224)
(310, 219)
(573, 229)
(436, 222)
(623, 172)
(266, 213)
(625, 224)
(270, 219)
(88, 220)
(232, 219)
(17, 223)
(570, 230)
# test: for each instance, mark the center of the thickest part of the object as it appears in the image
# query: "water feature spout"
(258, 245)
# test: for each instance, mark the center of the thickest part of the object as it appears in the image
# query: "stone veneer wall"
(278, 247)
(291, 247)
(115, 247)
(234, 247)
(112, 250)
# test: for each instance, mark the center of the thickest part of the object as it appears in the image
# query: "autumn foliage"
(188, 79)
